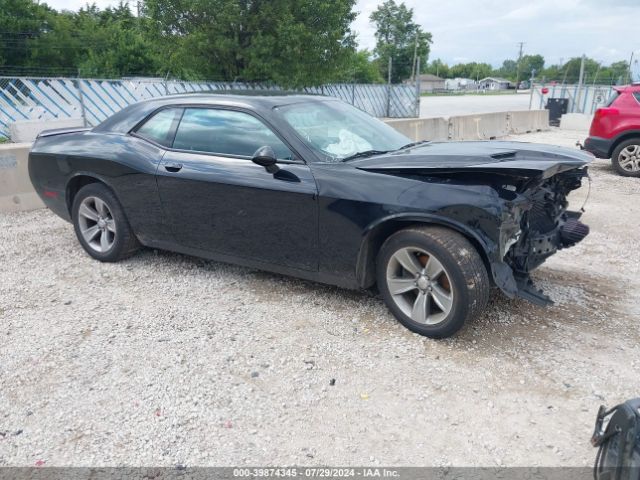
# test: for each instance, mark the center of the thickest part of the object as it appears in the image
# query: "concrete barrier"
(484, 126)
(575, 121)
(27, 130)
(526, 121)
(16, 192)
(435, 129)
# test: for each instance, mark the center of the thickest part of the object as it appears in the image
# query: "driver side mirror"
(266, 157)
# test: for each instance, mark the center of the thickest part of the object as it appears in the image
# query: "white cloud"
(489, 30)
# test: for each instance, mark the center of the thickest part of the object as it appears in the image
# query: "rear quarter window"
(637, 96)
(160, 127)
(614, 96)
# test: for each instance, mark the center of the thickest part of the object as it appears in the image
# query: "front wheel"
(101, 225)
(626, 158)
(432, 279)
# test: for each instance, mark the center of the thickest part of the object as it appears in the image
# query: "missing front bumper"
(513, 277)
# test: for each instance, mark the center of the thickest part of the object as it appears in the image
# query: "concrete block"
(576, 121)
(525, 121)
(27, 130)
(484, 126)
(16, 191)
(435, 129)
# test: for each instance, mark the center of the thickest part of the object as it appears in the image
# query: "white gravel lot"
(165, 359)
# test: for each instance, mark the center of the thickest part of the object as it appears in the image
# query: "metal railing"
(582, 99)
(93, 100)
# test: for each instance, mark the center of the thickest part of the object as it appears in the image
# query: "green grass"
(4, 140)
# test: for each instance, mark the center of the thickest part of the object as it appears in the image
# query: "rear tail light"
(606, 112)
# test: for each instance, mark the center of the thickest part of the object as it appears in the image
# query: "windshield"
(336, 130)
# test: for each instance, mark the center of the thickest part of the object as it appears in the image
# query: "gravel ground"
(165, 359)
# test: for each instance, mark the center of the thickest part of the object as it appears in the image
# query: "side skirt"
(314, 276)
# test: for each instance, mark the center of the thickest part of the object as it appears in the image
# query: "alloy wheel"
(420, 285)
(629, 158)
(96, 224)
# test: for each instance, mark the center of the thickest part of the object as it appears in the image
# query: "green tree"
(508, 70)
(20, 22)
(91, 42)
(551, 73)
(398, 37)
(616, 73)
(437, 67)
(571, 69)
(59, 47)
(528, 63)
(594, 72)
(472, 70)
(285, 41)
(119, 44)
(361, 69)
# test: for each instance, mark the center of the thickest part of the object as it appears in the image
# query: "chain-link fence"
(582, 99)
(93, 100)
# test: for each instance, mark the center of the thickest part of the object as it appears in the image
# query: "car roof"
(250, 98)
(127, 118)
(634, 87)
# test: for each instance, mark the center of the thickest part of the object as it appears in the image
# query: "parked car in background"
(315, 188)
(615, 131)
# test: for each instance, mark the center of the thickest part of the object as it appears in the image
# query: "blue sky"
(489, 30)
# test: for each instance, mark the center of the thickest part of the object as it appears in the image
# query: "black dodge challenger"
(312, 187)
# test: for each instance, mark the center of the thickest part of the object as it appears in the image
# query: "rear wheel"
(432, 279)
(626, 158)
(101, 225)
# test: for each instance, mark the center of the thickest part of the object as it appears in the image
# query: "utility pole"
(518, 65)
(415, 56)
(389, 88)
(596, 75)
(628, 78)
(580, 82)
(581, 77)
(418, 92)
(533, 76)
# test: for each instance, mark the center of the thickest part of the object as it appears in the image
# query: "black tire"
(618, 152)
(123, 242)
(466, 275)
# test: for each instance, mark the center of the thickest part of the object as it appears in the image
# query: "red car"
(615, 131)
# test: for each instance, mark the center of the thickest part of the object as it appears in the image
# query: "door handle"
(172, 167)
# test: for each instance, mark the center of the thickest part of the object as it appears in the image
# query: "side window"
(637, 95)
(612, 98)
(226, 132)
(161, 126)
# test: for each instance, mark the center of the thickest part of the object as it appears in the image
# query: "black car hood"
(525, 159)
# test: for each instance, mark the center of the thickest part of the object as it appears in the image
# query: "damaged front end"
(536, 224)
(510, 197)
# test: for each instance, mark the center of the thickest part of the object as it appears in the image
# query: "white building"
(460, 84)
(493, 83)
(429, 83)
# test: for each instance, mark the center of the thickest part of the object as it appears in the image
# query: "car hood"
(523, 159)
